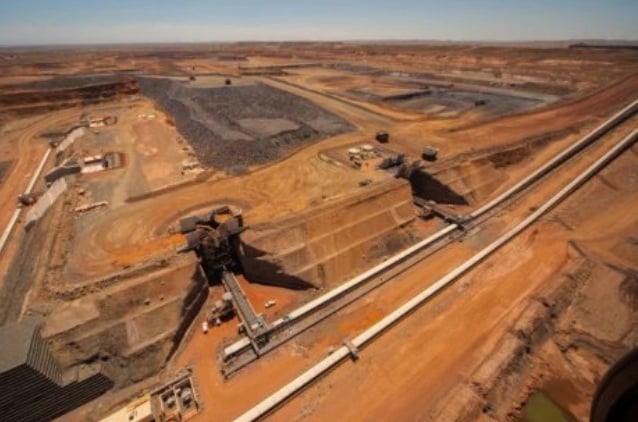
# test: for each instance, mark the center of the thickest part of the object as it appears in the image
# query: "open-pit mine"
(317, 231)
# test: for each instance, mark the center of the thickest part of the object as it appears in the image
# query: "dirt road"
(26, 152)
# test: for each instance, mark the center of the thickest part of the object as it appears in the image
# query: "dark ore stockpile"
(234, 127)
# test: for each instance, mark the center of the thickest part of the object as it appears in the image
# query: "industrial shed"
(33, 386)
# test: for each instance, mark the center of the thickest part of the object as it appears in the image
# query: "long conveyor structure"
(254, 324)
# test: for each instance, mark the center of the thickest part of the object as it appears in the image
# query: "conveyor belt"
(253, 323)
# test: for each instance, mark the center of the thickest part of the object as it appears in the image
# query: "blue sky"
(114, 21)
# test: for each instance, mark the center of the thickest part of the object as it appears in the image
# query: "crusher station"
(215, 239)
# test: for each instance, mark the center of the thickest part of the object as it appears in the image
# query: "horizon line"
(317, 41)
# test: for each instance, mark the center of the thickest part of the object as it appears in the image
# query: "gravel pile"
(209, 118)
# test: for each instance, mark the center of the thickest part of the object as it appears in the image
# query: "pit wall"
(471, 178)
(132, 327)
(325, 246)
(465, 182)
(36, 101)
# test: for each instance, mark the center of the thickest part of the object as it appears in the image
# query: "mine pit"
(184, 240)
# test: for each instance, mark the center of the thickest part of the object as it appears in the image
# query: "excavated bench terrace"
(324, 246)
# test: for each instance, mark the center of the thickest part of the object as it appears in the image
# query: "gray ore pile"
(234, 127)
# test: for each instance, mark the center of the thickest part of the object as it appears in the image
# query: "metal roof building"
(33, 386)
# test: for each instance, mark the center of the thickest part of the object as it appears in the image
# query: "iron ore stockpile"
(240, 126)
(317, 231)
